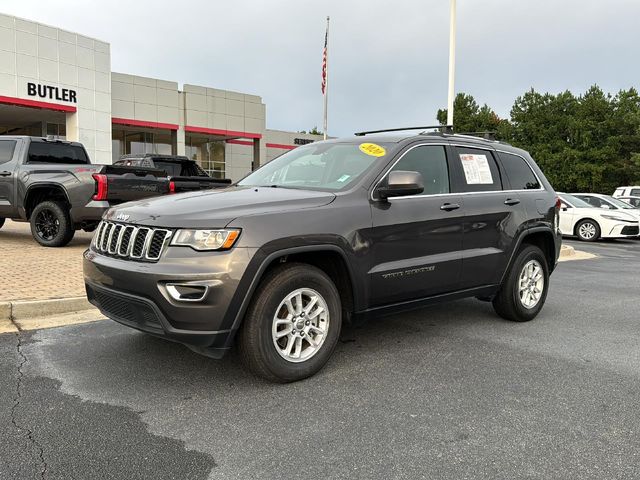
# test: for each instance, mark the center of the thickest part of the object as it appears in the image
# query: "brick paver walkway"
(31, 272)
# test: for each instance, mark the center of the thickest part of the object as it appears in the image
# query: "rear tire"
(1, 222)
(588, 230)
(525, 287)
(51, 225)
(294, 303)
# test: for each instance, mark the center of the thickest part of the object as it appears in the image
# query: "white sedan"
(590, 223)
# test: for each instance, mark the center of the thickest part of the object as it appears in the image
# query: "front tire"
(51, 225)
(588, 230)
(292, 325)
(525, 287)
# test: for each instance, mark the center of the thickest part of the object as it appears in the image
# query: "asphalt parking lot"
(449, 391)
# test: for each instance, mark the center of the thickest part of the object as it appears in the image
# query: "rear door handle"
(512, 201)
(449, 206)
(5, 174)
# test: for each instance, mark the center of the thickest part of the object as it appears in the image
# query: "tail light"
(172, 186)
(558, 203)
(102, 187)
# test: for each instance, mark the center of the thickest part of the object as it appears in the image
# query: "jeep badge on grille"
(122, 216)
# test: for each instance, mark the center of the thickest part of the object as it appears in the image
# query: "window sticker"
(344, 178)
(373, 149)
(476, 169)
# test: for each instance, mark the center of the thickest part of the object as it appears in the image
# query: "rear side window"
(6, 150)
(431, 162)
(518, 172)
(60, 153)
(479, 170)
(635, 192)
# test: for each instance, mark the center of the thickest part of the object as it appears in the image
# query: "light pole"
(452, 60)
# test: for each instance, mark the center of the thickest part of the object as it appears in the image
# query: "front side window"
(635, 192)
(6, 150)
(60, 153)
(322, 166)
(479, 170)
(431, 162)
(518, 172)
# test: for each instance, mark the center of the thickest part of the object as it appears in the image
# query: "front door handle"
(447, 207)
(512, 201)
(5, 174)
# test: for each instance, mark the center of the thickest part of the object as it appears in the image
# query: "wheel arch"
(541, 237)
(41, 192)
(328, 257)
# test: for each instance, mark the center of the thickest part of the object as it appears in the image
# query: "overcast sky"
(387, 59)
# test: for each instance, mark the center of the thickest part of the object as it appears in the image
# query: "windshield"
(619, 203)
(575, 201)
(322, 166)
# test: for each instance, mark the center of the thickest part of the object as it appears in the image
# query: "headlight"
(619, 219)
(206, 239)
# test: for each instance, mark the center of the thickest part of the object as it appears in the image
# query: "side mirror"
(401, 183)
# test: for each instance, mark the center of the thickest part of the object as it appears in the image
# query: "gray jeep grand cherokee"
(325, 233)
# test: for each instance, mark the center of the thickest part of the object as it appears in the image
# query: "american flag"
(324, 62)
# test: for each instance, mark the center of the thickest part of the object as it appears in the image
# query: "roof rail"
(446, 129)
(488, 135)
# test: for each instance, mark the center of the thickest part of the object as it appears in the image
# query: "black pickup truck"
(185, 175)
(53, 185)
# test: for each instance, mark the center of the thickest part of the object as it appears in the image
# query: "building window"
(128, 140)
(208, 152)
(57, 130)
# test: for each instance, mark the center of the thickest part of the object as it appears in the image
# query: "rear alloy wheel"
(588, 231)
(525, 287)
(51, 225)
(292, 325)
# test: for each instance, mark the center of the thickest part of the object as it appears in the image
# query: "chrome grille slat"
(129, 242)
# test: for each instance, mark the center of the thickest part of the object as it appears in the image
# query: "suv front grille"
(127, 241)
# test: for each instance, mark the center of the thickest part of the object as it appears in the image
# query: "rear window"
(518, 172)
(172, 169)
(6, 150)
(60, 153)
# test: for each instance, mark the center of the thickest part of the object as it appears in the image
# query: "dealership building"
(60, 83)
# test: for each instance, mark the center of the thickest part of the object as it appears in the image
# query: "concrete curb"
(567, 251)
(16, 310)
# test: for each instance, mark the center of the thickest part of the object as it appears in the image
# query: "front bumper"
(135, 294)
(622, 230)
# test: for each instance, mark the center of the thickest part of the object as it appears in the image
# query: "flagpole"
(326, 87)
(452, 60)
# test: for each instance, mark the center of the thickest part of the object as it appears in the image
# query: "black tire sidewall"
(595, 224)
(268, 300)
(528, 253)
(2, 220)
(65, 231)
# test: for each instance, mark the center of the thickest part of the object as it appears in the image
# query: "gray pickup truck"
(53, 185)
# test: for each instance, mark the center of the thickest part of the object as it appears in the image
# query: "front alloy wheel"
(292, 325)
(300, 325)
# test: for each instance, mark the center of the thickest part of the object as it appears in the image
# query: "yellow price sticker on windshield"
(373, 149)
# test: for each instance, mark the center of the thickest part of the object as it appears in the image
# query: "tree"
(313, 131)
(470, 117)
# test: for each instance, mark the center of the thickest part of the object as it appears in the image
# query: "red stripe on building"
(142, 123)
(240, 142)
(21, 102)
(226, 133)
(280, 145)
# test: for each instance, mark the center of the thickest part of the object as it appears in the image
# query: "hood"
(215, 208)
